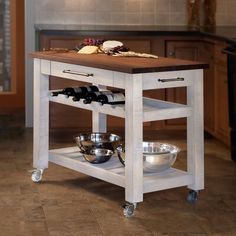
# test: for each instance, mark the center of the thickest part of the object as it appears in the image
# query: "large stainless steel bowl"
(156, 156)
(97, 147)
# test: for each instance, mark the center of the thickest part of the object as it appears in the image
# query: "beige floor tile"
(69, 203)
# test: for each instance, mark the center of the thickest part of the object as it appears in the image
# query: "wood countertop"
(132, 65)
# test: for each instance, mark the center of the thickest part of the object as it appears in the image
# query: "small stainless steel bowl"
(156, 156)
(98, 155)
(97, 147)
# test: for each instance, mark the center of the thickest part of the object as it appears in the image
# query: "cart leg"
(133, 139)
(99, 119)
(41, 114)
(99, 122)
(195, 138)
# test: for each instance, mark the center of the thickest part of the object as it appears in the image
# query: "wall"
(131, 12)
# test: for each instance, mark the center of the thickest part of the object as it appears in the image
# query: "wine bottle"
(116, 97)
(78, 92)
(86, 90)
(92, 96)
(56, 93)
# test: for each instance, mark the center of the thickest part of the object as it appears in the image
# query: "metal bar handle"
(171, 79)
(227, 51)
(73, 72)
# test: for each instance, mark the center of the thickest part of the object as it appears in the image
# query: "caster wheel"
(129, 209)
(192, 196)
(37, 175)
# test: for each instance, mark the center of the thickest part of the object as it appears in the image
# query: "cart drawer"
(82, 73)
(170, 79)
(160, 80)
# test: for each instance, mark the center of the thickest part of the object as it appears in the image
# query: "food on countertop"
(109, 47)
(134, 54)
(110, 44)
(88, 50)
(90, 42)
(118, 49)
(58, 49)
(93, 42)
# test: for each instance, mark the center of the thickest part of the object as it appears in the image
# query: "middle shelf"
(153, 109)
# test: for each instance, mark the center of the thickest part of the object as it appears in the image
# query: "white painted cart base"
(136, 111)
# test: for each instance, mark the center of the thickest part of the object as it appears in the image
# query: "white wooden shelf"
(153, 109)
(113, 171)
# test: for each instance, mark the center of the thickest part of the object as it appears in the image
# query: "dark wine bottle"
(92, 96)
(56, 93)
(115, 98)
(83, 91)
(77, 92)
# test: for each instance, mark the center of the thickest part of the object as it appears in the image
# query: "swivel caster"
(192, 196)
(37, 175)
(129, 209)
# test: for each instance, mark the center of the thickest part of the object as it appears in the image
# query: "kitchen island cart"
(134, 75)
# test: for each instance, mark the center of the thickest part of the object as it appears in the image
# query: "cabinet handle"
(171, 79)
(171, 54)
(77, 73)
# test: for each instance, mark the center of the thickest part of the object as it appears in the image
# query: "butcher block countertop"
(130, 65)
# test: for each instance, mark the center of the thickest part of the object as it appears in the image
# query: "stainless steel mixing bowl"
(97, 147)
(156, 156)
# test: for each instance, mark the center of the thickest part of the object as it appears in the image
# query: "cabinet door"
(222, 129)
(188, 50)
(221, 105)
(207, 55)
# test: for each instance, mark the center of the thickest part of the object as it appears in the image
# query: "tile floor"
(67, 203)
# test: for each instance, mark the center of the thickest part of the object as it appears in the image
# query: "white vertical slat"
(195, 136)
(41, 117)
(133, 138)
(99, 119)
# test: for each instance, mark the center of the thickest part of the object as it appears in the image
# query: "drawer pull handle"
(77, 73)
(171, 79)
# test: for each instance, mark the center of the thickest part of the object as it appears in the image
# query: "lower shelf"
(113, 171)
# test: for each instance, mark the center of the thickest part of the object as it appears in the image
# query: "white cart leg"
(99, 122)
(41, 115)
(195, 136)
(133, 139)
(99, 119)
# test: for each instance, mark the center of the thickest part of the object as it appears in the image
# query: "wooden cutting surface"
(130, 65)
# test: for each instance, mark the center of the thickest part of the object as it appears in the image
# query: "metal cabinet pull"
(77, 73)
(171, 79)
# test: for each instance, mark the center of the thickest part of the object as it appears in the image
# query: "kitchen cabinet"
(182, 49)
(222, 129)
(207, 55)
(196, 50)
(134, 76)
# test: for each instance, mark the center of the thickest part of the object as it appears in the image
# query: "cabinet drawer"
(82, 73)
(171, 79)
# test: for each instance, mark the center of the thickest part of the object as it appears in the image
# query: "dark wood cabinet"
(187, 50)
(222, 129)
(206, 54)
